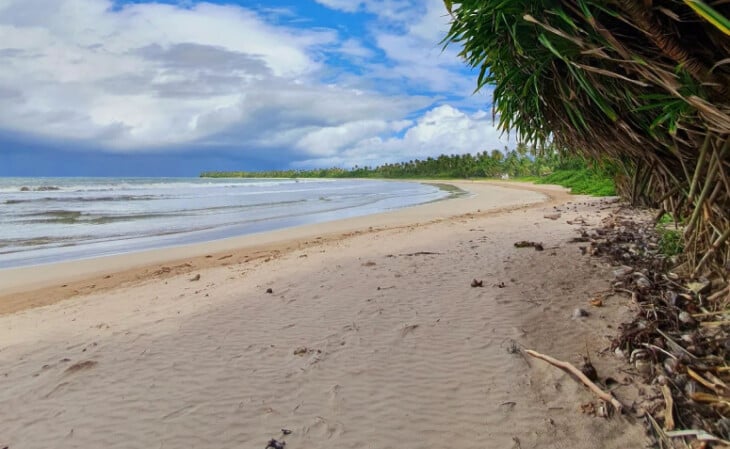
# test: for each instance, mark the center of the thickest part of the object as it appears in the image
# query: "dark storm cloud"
(204, 57)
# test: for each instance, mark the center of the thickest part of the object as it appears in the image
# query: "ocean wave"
(62, 216)
(179, 211)
(70, 216)
(29, 187)
(84, 199)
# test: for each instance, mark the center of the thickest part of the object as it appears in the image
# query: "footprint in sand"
(335, 399)
(324, 428)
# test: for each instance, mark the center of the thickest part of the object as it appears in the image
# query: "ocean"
(45, 220)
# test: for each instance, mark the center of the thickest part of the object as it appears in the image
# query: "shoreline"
(44, 284)
(369, 334)
(243, 211)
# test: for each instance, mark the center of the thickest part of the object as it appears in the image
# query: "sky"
(174, 88)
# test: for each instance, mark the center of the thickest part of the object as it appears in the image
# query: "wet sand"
(371, 336)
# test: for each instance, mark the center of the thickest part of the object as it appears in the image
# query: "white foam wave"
(30, 186)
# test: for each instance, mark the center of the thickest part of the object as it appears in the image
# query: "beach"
(356, 333)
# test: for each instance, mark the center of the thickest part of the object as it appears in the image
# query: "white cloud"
(355, 48)
(342, 5)
(153, 72)
(409, 33)
(394, 10)
(417, 56)
(328, 141)
(441, 130)
(159, 76)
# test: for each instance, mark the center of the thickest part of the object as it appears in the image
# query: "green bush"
(671, 242)
(582, 181)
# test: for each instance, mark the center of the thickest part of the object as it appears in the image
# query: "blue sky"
(120, 88)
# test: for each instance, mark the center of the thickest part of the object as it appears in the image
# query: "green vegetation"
(641, 85)
(521, 164)
(670, 242)
(522, 161)
(670, 236)
(584, 181)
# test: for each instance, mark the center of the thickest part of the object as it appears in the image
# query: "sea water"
(55, 219)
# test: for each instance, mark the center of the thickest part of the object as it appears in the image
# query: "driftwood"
(576, 373)
(668, 408)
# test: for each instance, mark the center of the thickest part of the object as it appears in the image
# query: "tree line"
(523, 161)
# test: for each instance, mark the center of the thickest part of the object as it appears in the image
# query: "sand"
(371, 337)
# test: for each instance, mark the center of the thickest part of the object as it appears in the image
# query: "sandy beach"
(359, 333)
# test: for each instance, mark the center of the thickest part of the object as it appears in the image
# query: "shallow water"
(54, 219)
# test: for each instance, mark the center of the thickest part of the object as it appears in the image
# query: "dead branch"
(576, 373)
(668, 408)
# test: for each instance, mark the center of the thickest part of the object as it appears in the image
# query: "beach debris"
(513, 347)
(500, 284)
(577, 221)
(274, 444)
(195, 278)
(677, 341)
(641, 359)
(408, 329)
(699, 287)
(668, 408)
(596, 302)
(579, 312)
(581, 239)
(554, 216)
(588, 369)
(286, 432)
(476, 283)
(270, 291)
(588, 408)
(642, 282)
(685, 318)
(227, 256)
(369, 263)
(80, 366)
(622, 272)
(578, 374)
(528, 244)
(421, 253)
(303, 350)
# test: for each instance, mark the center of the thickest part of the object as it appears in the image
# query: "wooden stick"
(576, 373)
(668, 408)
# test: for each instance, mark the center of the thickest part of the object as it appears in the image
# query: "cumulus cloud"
(154, 73)
(441, 130)
(330, 140)
(153, 76)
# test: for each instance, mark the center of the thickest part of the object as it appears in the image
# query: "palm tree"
(643, 85)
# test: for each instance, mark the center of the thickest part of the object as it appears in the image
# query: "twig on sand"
(576, 373)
